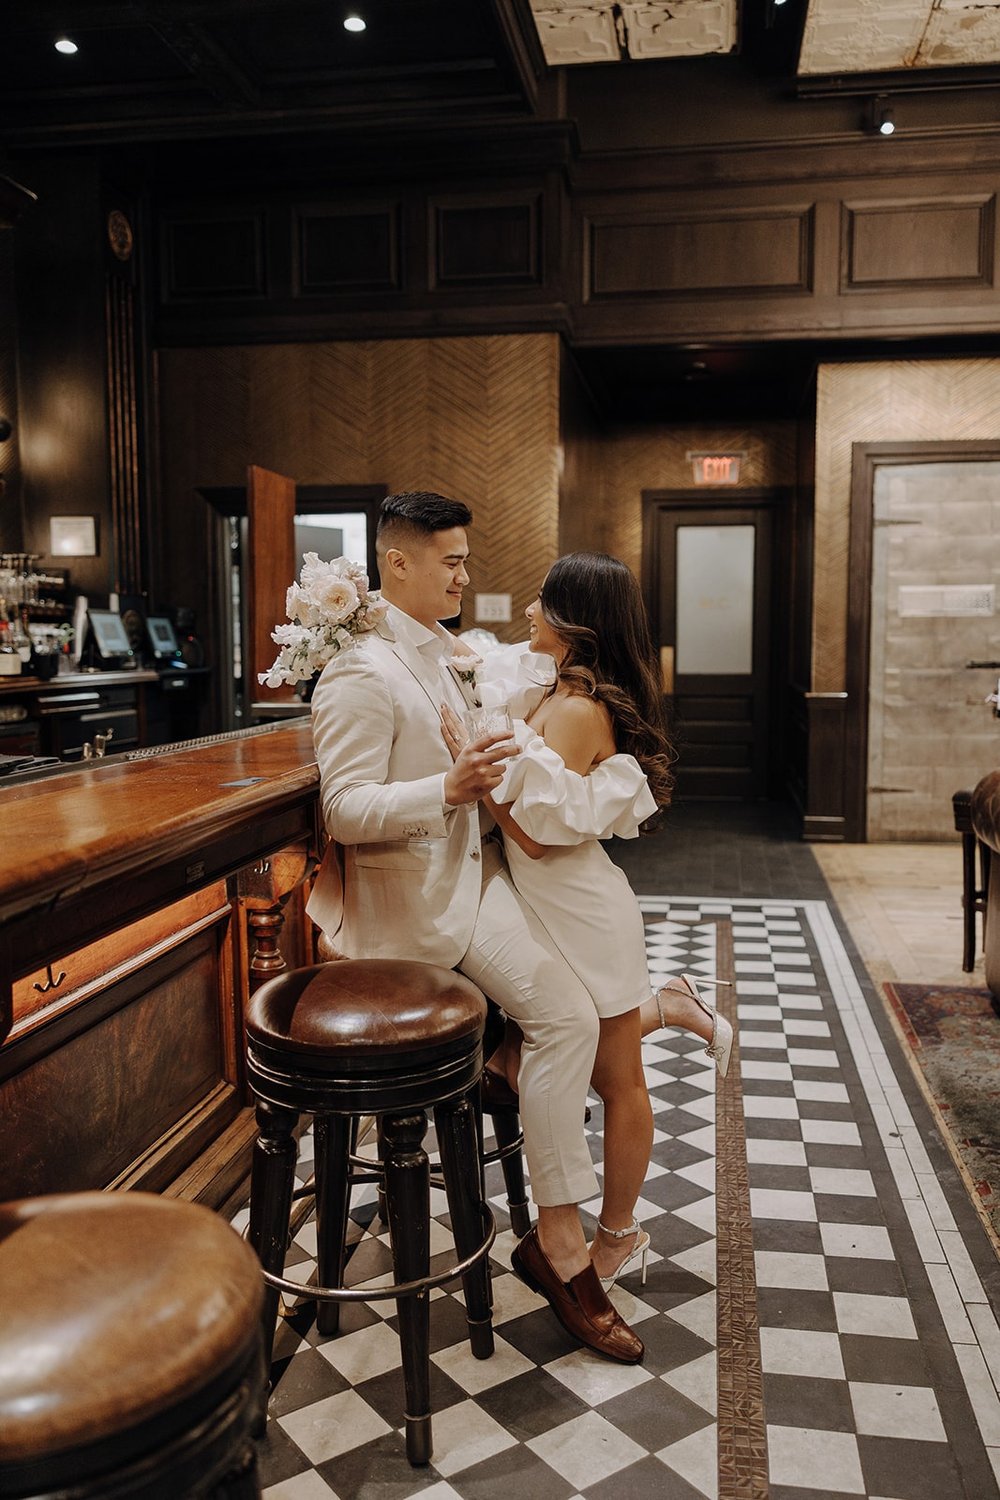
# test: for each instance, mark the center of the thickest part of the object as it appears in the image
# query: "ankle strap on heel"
(620, 1234)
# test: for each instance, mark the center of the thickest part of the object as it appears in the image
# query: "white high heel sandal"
(720, 1047)
(639, 1250)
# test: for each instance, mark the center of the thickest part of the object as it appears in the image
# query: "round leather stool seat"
(365, 1011)
(126, 1322)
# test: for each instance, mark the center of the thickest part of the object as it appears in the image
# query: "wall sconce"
(882, 120)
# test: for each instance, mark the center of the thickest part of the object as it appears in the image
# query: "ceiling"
(196, 70)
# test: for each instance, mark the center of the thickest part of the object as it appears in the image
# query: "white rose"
(336, 598)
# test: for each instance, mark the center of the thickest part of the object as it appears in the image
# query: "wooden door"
(708, 574)
(270, 565)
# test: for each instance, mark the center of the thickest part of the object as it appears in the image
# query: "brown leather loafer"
(581, 1304)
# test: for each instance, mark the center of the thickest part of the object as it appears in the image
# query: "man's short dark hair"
(416, 513)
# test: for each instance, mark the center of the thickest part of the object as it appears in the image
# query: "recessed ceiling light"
(354, 23)
(65, 46)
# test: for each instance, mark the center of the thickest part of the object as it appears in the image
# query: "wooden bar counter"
(140, 900)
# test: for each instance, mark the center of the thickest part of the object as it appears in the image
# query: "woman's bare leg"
(628, 1133)
(506, 1060)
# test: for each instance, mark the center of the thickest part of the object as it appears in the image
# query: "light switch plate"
(493, 609)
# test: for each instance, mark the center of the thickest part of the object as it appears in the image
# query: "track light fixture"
(883, 121)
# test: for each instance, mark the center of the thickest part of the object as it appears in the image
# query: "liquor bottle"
(20, 639)
(10, 661)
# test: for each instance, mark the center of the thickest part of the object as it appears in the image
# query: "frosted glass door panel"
(715, 568)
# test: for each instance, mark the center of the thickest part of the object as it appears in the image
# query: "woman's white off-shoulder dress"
(576, 891)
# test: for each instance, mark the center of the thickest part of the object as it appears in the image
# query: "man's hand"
(479, 764)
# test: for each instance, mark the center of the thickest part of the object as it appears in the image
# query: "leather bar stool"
(131, 1361)
(503, 1112)
(393, 1039)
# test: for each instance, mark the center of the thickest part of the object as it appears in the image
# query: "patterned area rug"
(955, 1036)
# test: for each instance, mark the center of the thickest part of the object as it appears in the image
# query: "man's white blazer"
(405, 880)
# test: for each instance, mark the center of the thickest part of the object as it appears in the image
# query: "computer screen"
(162, 639)
(109, 633)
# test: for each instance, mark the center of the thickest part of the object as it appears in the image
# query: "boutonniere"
(463, 667)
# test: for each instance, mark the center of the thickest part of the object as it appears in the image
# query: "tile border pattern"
(742, 1430)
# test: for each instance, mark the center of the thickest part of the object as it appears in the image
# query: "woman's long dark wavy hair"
(592, 601)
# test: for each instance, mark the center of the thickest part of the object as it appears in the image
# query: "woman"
(595, 761)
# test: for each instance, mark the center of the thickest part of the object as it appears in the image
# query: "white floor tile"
(362, 1355)
(465, 1435)
(960, 1261)
(475, 1375)
(594, 1379)
(699, 1315)
(698, 1381)
(306, 1486)
(748, 1012)
(805, 1457)
(702, 1214)
(696, 1459)
(700, 1260)
(771, 1041)
(776, 1153)
(822, 1093)
(813, 1057)
(857, 1241)
(333, 1425)
(950, 1305)
(780, 1203)
(794, 1027)
(774, 1070)
(851, 1182)
(988, 1335)
(766, 1107)
(830, 1133)
(701, 1173)
(585, 1450)
(801, 1351)
(982, 1392)
(789, 1001)
(785, 1268)
(885, 1317)
(897, 1411)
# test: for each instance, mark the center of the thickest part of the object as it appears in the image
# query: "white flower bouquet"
(329, 606)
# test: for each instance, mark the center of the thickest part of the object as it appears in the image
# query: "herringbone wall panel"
(476, 418)
(606, 509)
(905, 400)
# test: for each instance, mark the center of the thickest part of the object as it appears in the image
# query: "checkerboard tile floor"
(879, 1352)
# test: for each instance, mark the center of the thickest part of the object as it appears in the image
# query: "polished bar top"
(122, 819)
(65, 682)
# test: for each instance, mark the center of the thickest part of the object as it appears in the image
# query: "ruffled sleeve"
(557, 806)
(515, 675)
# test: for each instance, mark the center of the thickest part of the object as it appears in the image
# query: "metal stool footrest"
(385, 1293)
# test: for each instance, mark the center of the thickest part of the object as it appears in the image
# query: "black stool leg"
(408, 1199)
(272, 1180)
(507, 1129)
(458, 1143)
(968, 902)
(332, 1137)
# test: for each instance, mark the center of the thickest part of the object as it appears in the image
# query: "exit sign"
(716, 468)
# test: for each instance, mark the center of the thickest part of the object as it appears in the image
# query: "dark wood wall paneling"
(399, 262)
(786, 242)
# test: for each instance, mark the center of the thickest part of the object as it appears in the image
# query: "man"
(420, 881)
